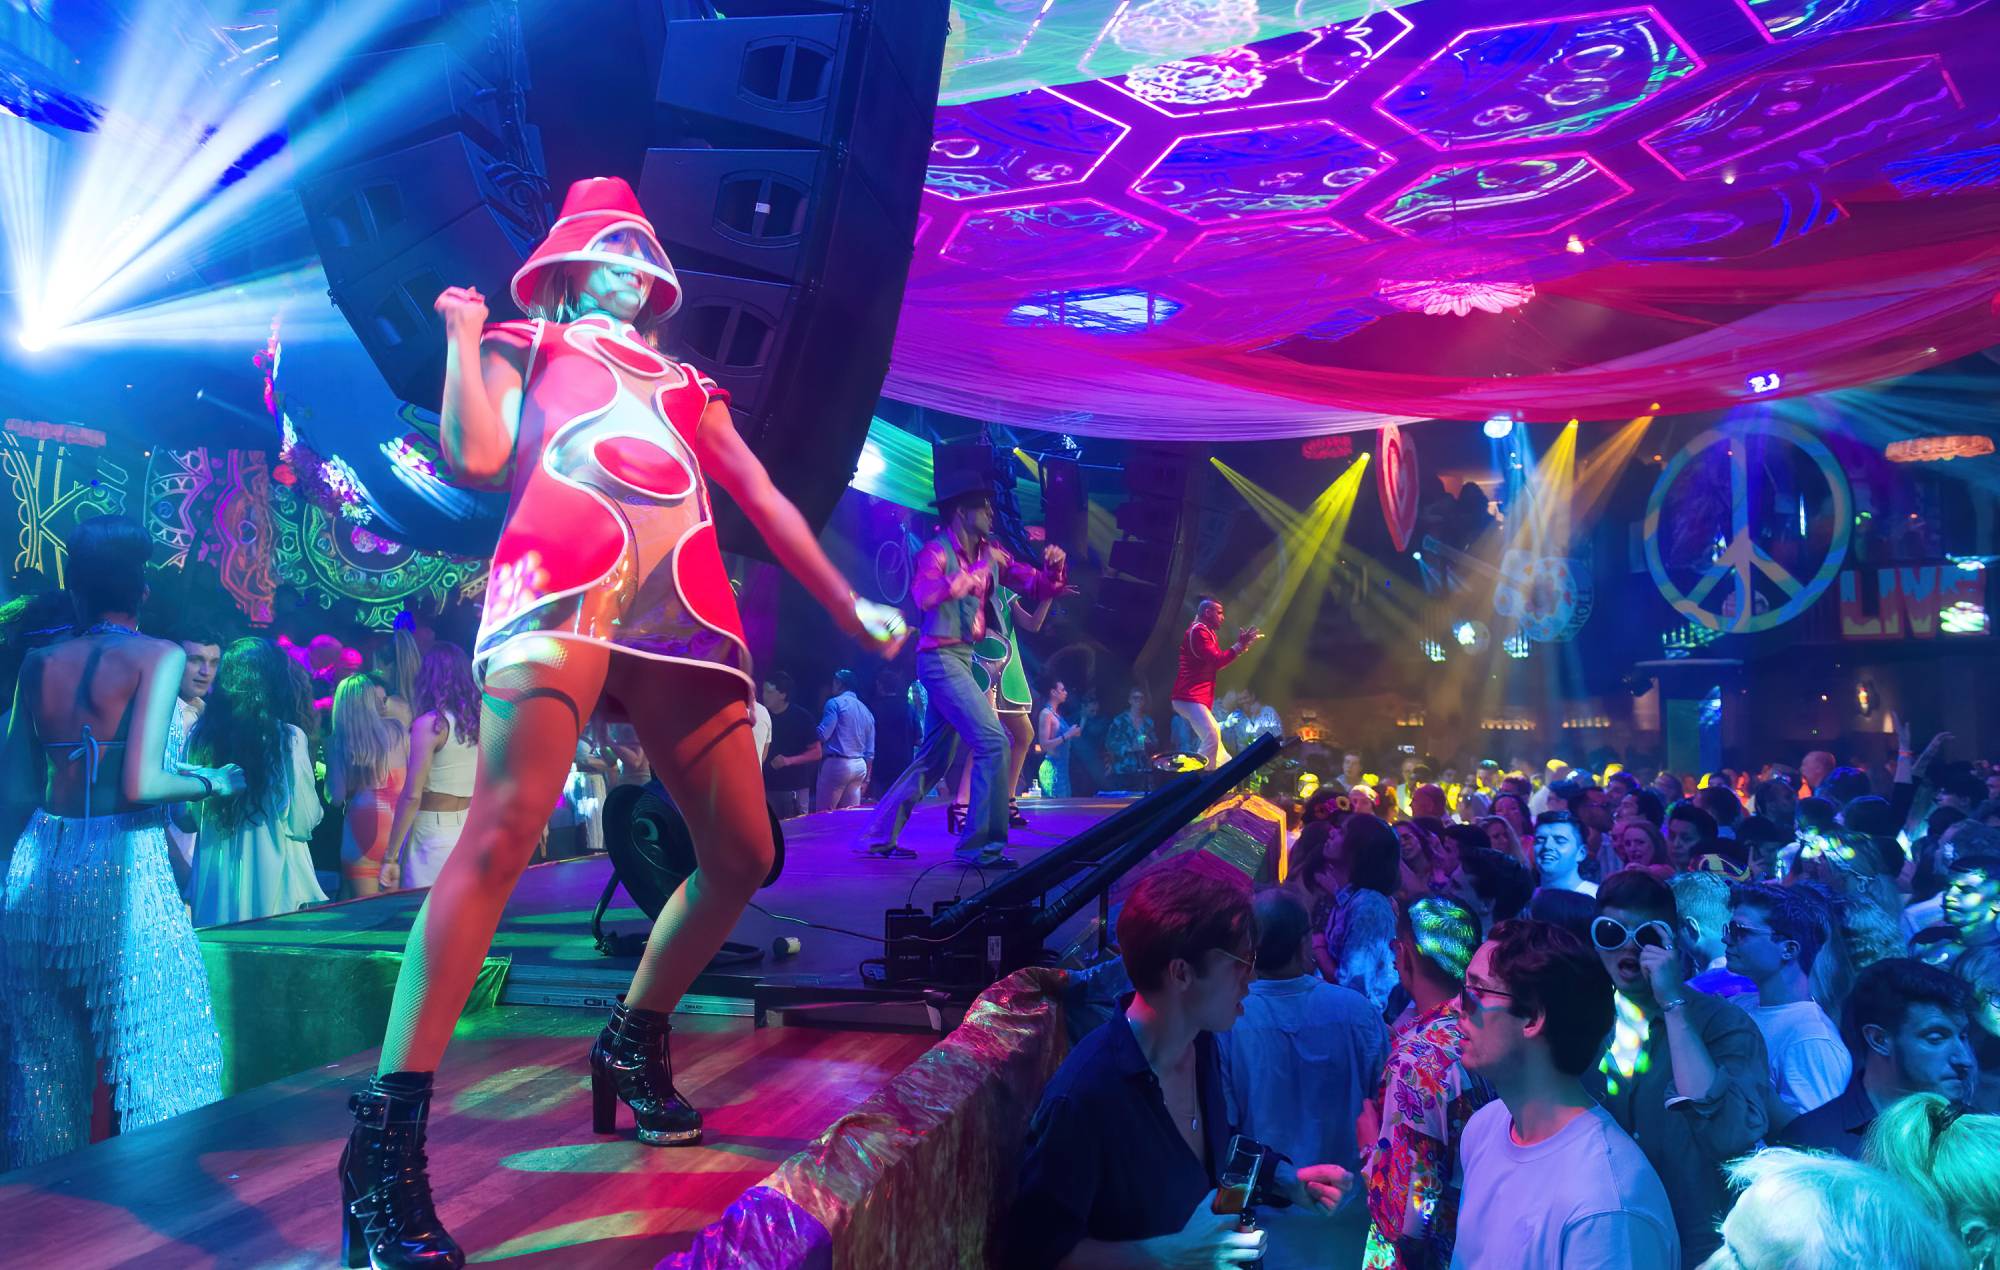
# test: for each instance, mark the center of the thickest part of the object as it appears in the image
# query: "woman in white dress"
(103, 996)
(251, 857)
(444, 751)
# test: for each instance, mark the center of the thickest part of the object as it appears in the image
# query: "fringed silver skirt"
(100, 966)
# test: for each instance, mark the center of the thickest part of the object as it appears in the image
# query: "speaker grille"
(789, 73)
(762, 208)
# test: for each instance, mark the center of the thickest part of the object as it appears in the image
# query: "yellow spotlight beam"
(1275, 512)
(1276, 665)
(1601, 470)
(1546, 527)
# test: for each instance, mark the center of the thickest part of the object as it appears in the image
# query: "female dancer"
(444, 751)
(1055, 736)
(607, 584)
(99, 969)
(364, 773)
(251, 853)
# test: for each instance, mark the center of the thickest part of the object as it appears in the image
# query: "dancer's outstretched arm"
(726, 457)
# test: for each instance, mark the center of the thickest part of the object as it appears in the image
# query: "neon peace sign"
(1740, 559)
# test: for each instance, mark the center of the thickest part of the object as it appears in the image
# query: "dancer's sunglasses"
(1610, 934)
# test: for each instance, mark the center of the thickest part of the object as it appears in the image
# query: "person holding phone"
(1686, 1074)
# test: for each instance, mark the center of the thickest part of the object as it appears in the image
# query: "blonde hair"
(365, 744)
(1948, 1155)
(558, 297)
(1832, 1213)
(405, 655)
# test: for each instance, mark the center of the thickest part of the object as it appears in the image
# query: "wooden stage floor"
(545, 931)
(519, 1177)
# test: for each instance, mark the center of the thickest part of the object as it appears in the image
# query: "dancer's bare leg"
(1020, 739)
(538, 692)
(695, 730)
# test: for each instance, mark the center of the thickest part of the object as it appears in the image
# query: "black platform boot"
(1016, 818)
(954, 817)
(387, 1218)
(630, 1064)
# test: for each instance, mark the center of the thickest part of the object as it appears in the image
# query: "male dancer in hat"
(952, 578)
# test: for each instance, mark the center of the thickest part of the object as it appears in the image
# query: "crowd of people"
(1550, 1017)
(1558, 1018)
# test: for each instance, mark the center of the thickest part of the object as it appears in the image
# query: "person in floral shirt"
(1410, 1132)
(1133, 738)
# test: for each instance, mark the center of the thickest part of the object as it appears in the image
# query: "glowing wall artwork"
(1914, 602)
(51, 487)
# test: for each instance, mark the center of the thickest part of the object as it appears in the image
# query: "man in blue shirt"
(846, 744)
(1124, 1153)
(1295, 1070)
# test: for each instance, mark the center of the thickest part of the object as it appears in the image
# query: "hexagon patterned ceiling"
(1445, 209)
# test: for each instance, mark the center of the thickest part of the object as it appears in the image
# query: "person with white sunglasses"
(1684, 1073)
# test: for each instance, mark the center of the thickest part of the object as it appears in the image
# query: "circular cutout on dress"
(644, 466)
(704, 583)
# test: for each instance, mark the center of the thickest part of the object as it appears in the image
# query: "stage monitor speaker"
(1128, 602)
(962, 456)
(445, 95)
(793, 137)
(395, 230)
(1157, 472)
(1065, 504)
(432, 177)
(1144, 558)
(1154, 518)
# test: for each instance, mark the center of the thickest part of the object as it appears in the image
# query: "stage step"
(249, 1181)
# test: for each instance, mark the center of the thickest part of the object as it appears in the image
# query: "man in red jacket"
(1194, 685)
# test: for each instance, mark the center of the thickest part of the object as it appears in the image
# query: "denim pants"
(957, 710)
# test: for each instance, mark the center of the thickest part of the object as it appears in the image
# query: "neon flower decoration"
(1456, 298)
(1213, 81)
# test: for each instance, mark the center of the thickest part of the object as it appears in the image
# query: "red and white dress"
(610, 537)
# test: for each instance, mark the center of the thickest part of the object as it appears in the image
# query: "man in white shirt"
(204, 654)
(1774, 933)
(1550, 1182)
(1559, 852)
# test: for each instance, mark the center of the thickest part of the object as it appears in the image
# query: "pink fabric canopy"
(1424, 214)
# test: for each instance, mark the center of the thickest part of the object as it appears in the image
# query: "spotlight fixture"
(1433, 650)
(1499, 427)
(33, 339)
(1472, 636)
(1769, 381)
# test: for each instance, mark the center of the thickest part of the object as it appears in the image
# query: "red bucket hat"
(592, 211)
